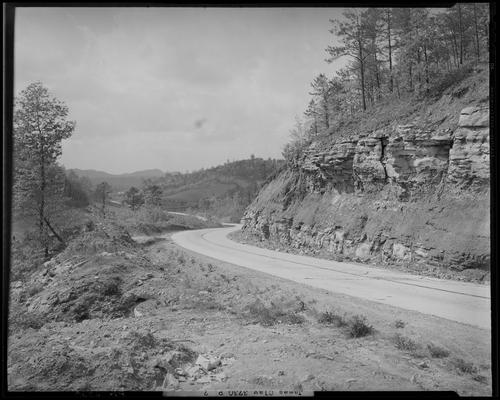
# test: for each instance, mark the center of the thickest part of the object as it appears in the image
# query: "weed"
(211, 268)
(437, 351)
(181, 259)
(112, 288)
(479, 378)
(405, 343)
(294, 319)
(331, 318)
(399, 323)
(464, 366)
(261, 381)
(143, 340)
(301, 306)
(269, 316)
(359, 328)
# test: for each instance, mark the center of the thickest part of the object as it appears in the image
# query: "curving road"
(458, 301)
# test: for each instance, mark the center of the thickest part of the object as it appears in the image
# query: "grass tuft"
(331, 318)
(359, 328)
(437, 351)
(272, 315)
(399, 324)
(463, 366)
(405, 343)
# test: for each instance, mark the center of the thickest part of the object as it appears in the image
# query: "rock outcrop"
(407, 193)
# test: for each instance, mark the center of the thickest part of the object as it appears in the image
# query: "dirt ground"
(155, 308)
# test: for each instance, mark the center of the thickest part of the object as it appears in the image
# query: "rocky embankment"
(412, 191)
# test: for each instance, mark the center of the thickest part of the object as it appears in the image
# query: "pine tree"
(352, 33)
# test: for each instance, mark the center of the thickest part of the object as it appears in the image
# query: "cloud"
(138, 80)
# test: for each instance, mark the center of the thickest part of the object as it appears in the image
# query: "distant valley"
(119, 182)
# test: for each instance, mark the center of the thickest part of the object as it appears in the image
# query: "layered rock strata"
(402, 194)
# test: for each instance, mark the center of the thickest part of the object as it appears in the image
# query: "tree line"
(394, 52)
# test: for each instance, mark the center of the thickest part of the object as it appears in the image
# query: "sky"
(176, 89)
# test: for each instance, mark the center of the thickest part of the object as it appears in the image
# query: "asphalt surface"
(463, 302)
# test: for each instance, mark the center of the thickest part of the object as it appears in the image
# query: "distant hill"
(119, 182)
(224, 190)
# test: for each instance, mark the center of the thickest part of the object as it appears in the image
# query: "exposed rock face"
(469, 157)
(403, 194)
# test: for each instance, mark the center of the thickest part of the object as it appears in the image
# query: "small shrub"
(330, 318)
(399, 324)
(294, 319)
(404, 343)
(479, 378)
(181, 259)
(112, 288)
(359, 328)
(143, 340)
(437, 351)
(464, 366)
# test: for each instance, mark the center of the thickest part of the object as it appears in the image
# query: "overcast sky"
(174, 88)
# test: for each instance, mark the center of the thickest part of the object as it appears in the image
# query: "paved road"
(189, 215)
(458, 301)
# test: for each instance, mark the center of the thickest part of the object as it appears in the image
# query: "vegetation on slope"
(394, 53)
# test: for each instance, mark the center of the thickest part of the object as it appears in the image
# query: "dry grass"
(271, 315)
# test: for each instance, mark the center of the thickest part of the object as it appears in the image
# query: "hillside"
(405, 183)
(118, 182)
(223, 191)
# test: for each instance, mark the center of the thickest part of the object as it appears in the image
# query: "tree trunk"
(325, 108)
(410, 78)
(377, 76)
(103, 204)
(391, 83)
(41, 215)
(455, 49)
(418, 58)
(461, 33)
(54, 231)
(362, 73)
(426, 69)
(476, 32)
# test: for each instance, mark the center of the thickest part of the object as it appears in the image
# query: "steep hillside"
(119, 182)
(406, 183)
